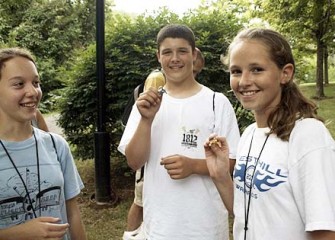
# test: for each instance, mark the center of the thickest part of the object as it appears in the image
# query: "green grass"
(104, 222)
(109, 222)
(326, 106)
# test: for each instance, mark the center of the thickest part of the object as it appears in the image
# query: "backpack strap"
(54, 144)
(214, 110)
(136, 92)
(141, 176)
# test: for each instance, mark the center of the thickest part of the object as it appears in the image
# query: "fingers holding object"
(150, 97)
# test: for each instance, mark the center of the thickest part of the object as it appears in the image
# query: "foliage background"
(61, 34)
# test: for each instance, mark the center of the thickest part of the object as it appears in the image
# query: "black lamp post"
(101, 137)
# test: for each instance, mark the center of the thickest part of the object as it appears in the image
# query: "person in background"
(285, 168)
(165, 133)
(39, 121)
(199, 63)
(134, 229)
(38, 178)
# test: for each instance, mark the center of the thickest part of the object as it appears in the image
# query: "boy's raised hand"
(148, 103)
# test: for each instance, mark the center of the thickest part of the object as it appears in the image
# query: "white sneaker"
(137, 234)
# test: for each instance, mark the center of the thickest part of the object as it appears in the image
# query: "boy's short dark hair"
(176, 31)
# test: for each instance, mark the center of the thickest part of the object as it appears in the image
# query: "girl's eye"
(36, 84)
(256, 70)
(18, 84)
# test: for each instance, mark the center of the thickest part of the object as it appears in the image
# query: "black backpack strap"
(54, 144)
(214, 110)
(141, 176)
(137, 92)
(214, 102)
(131, 101)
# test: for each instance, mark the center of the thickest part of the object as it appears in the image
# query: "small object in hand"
(215, 141)
(155, 79)
(161, 90)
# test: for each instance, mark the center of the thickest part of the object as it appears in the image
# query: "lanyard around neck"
(247, 204)
(20, 176)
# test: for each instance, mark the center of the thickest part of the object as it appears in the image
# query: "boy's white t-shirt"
(189, 208)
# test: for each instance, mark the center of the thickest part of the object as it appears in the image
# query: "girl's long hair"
(293, 104)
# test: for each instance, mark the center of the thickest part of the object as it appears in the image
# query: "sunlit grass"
(326, 106)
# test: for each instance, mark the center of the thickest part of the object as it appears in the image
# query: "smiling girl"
(282, 186)
(39, 181)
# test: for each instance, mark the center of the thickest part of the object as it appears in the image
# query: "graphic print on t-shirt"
(15, 205)
(189, 138)
(266, 175)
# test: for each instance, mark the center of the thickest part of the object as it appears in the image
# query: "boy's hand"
(148, 103)
(177, 166)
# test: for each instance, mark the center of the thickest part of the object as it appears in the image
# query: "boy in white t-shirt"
(165, 133)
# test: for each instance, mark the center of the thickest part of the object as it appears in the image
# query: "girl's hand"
(37, 229)
(217, 157)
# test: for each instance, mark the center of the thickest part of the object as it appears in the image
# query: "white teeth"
(176, 67)
(249, 93)
(28, 105)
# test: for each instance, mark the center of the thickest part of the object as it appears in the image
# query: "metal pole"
(101, 137)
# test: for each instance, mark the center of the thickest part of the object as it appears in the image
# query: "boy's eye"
(166, 52)
(235, 71)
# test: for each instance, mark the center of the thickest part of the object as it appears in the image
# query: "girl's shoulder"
(47, 137)
(309, 126)
(310, 129)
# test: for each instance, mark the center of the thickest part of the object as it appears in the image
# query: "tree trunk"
(326, 65)
(319, 70)
(319, 33)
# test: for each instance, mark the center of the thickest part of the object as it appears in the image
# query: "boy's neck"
(183, 90)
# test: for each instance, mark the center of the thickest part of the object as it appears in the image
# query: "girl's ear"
(158, 56)
(287, 73)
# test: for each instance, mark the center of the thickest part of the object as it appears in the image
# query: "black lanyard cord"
(18, 173)
(247, 206)
(38, 170)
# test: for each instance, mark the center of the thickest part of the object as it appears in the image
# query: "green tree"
(307, 22)
(11, 14)
(51, 30)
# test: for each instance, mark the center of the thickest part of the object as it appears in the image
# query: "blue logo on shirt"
(265, 175)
